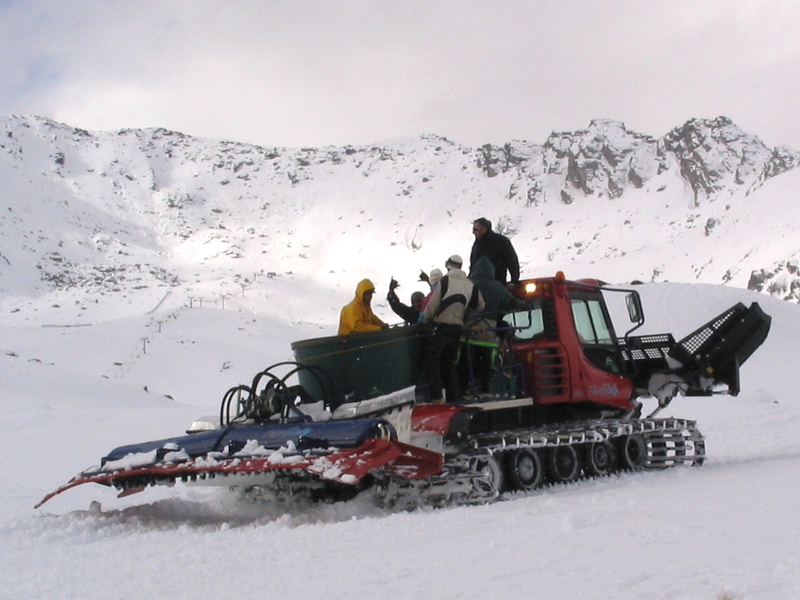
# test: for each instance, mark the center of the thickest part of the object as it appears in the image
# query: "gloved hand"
(423, 276)
(393, 284)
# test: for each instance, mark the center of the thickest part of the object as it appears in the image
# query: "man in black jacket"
(409, 314)
(497, 248)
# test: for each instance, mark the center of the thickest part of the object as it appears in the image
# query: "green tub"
(362, 365)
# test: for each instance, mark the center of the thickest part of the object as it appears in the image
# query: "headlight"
(384, 431)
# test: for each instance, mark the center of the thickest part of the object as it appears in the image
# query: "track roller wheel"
(525, 470)
(632, 452)
(487, 465)
(601, 458)
(563, 463)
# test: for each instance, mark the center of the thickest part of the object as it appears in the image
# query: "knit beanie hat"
(454, 261)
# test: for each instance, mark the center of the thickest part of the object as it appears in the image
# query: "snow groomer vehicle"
(561, 399)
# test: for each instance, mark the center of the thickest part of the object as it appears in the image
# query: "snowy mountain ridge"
(117, 214)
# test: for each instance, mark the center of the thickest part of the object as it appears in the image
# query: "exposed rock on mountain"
(782, 281)
(713, 156)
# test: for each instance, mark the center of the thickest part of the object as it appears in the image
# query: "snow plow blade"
(346, 466)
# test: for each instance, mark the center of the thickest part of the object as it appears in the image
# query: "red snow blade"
(351, 465)
(346, 466)
(414, 462)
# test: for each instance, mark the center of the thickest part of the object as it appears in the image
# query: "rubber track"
(669, 441)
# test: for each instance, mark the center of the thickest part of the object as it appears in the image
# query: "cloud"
(359, 71)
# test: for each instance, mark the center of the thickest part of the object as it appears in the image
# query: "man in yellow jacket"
(358, 316)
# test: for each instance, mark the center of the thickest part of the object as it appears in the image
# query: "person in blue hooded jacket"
(497, 299)
(488, 326)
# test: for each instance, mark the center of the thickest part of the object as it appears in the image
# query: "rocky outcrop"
(783, 281)
(713, 156)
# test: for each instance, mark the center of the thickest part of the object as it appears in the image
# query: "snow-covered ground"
(727, 530)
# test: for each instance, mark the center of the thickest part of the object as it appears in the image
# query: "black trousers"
(442, 353)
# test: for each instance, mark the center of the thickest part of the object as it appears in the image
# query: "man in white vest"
(445, 311)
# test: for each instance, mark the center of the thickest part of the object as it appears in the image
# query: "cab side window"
(590, 322)
(528, 323)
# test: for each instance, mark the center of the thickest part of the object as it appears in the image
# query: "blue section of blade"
(305, 436)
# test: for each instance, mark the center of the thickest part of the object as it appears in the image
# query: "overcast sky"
(311, 73)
